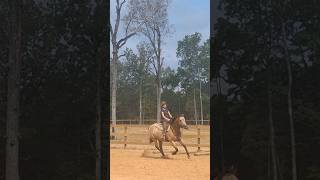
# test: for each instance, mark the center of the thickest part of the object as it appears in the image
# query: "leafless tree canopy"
(149, 17)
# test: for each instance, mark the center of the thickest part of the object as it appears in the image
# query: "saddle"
(160, 126)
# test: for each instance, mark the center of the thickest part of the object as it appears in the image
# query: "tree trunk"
(271, 122)
(116, 45)
(78, 149)
(143, 107)
(201, 110)
(219, 122)
(13, 106)
(271, 128)
(159, 65)
(179, 106)
(140, 102)
(195, 106)
(158, 90)
(114, 87)
(279, 167)
(292, 129)
(98, 125)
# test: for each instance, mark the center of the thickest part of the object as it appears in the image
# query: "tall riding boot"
(164, 132)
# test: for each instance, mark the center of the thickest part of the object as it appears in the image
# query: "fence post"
(112, 131)
(198, 138)
(125, 136)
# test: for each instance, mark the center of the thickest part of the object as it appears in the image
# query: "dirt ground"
(136, 164)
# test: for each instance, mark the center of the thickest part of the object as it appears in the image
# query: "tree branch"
(161, 62)
(123, 41)
(121, 55)
(151, 71)
(122, 3)
(152, 43)
(154, 66)
(111, 29)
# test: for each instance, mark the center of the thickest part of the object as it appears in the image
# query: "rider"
(165, 118)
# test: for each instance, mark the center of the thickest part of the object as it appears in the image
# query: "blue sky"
(187, 17)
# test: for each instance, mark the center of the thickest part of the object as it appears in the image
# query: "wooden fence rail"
(121, 132)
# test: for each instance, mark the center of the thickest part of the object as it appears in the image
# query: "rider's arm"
(169, 114)
(162, 114)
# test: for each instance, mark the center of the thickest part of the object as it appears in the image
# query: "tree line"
(266, 57)
(53, 88)
(185, 89)
(140, 80)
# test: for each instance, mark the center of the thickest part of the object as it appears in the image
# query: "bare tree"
(13, 106)
(116, 45)
(98, 125)
(195, 106)
(271, 125)
(150, 17)
(145, 55)
(269, 66)
(201, 109)
(291, 121)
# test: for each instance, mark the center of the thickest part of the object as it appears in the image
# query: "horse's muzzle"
(185, 127)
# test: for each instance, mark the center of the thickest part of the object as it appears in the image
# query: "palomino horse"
(173, 134)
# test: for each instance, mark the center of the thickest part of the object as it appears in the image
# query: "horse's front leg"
(182, 143)
(161, 150)
(175, 147)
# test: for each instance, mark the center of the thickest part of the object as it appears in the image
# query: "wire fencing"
(151, 121)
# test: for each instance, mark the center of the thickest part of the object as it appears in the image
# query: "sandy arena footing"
(137, 164)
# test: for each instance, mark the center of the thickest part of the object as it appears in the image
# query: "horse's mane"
(174, 118)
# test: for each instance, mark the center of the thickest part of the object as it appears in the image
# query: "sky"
(187, 17)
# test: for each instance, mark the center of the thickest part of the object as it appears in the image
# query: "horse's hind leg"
(161, 150)
(157, 145)
(175, 147)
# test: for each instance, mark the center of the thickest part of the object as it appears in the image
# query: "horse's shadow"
(150, 157)
(155, 155)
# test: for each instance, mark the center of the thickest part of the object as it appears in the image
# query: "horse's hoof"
(165, 157)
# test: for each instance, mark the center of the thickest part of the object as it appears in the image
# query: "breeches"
(165, 126)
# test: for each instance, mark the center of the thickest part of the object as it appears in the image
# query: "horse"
(173, 134)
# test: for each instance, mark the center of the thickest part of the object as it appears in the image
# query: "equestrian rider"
(165, 118)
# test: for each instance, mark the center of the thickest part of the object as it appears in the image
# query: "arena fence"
(151, 121)
(126, 134)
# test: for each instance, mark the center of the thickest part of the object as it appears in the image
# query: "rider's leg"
(165, 127)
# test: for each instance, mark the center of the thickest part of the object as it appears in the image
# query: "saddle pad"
(160, 126)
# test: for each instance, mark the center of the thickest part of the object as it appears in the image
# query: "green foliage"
(249, 58)
(62, 43)
(135, 70)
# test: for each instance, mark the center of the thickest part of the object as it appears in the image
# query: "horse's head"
(181, 121)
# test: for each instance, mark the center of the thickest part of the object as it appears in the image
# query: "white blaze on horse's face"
(182, 122)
